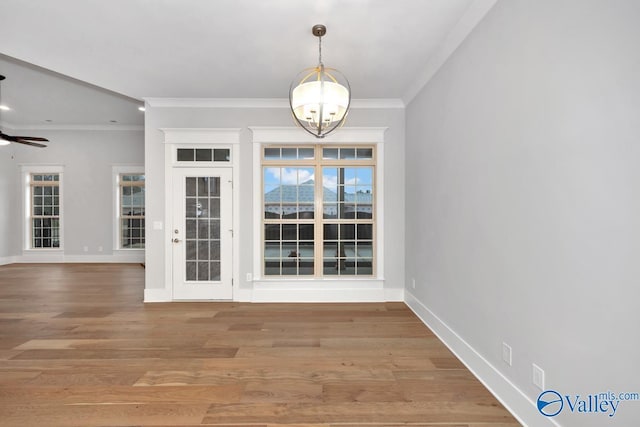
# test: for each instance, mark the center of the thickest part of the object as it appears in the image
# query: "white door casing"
(175, 138)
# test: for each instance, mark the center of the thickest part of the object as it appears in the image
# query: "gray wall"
(523, 196)
(156, 118)
(88, 157)
(7, 202)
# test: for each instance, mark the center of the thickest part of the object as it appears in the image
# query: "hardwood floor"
(79, 348)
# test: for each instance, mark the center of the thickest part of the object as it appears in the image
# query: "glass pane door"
(202, 226)
(202, 233)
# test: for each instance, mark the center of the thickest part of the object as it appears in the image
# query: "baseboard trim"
(285, 295)
(516, 402)
(7, 260)
(36, 257)
(394, 295)
(116, 258)
(157, 295)
(242, 295)
(318, 291)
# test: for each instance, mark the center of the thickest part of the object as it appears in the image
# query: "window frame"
(340, 289)
(117, 172)
(28, 171)
(318, 164)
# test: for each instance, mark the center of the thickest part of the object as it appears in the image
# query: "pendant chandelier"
(319, 97)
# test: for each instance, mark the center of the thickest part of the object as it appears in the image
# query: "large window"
(131, 224)
(44, 210)
(318, 211)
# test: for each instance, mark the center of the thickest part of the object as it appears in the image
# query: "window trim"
(273, 286)
(118, 170)
(45, 169)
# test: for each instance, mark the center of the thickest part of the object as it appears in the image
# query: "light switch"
(157, 225)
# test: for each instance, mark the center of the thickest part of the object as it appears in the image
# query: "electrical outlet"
(99, 248)
(537, 376)
(413, 283)
(249, 277)
(506, 353)
(86, 248)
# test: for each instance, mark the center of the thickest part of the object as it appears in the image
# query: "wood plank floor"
(79, 348)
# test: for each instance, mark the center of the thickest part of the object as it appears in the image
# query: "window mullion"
(319, 214)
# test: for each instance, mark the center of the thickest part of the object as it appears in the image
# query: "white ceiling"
(207, 49)
(39, 98)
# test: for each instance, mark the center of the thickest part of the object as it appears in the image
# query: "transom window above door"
(203, 155)
(318, 205)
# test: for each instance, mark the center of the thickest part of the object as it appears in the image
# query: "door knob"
(176, 240)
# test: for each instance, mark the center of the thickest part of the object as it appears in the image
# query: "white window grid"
(131, 212)
(44, 210)
(301, 238)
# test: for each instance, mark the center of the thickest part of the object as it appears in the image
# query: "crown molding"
(216, 102)
(471, 18)
(375, 103)
(289, 134)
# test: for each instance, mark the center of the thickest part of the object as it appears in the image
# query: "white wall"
(165, 117)
(7, 197)
(523, 198)
(87, 157)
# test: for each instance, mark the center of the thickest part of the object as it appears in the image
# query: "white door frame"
(175, 138)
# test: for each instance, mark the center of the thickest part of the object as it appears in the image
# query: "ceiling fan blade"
(33, 144)
(6, 137)
(32, 138)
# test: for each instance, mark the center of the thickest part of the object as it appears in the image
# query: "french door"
(202, 234)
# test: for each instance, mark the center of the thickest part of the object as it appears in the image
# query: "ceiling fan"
(27, 140)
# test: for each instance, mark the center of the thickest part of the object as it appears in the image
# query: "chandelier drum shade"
(319, 97)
